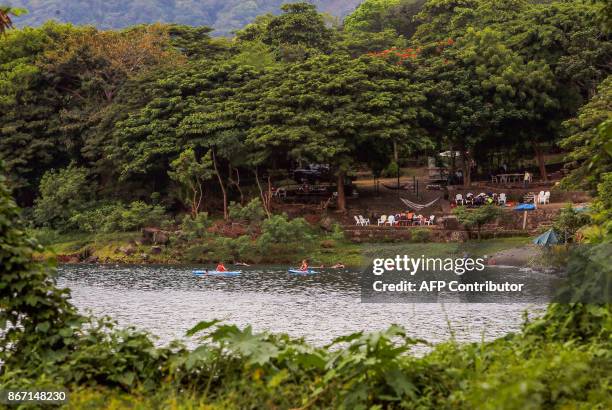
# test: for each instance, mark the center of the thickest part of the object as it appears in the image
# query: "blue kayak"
(215, 273)
(301, 272)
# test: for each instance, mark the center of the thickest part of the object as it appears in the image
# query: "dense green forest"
(105, 125)
(224, 16)
(166, 119)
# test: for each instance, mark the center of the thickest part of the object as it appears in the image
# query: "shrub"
(569, 221)
(44, 236)
(33, 311)
(195, 228)
(116, 217)
(138, 215)
(391, 170)
(252, 213)
(278, 229)
(235, 249)
(63, 194)
(337, 232)
(477, 217)
(196, 253)
(420, 235)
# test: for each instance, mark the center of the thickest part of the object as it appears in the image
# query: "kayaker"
(221, 267)
(304, 267)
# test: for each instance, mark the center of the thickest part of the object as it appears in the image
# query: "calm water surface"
(167, 301)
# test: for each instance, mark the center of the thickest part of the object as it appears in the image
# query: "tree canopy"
(139, 109)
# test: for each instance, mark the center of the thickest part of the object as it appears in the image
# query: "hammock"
(418, 207)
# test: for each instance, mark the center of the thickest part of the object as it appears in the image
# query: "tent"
(547, 238)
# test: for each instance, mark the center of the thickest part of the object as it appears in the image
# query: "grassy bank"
(324, 250)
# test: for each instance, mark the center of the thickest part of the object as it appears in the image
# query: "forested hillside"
(95, 121)
(223, 15)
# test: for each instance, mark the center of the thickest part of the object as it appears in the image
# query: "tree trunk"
(221, 184)
(196, 200)
(265, 198)
(238, 186)
(395, 153)
(341, 194)
(467, 170)
(541, 163)
(269, 193)
(235, 182)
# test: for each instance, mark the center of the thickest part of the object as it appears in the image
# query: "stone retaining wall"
(423, 234)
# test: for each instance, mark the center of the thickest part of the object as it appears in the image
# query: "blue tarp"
(525, 207)
(547, 238)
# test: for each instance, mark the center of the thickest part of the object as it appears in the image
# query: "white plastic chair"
(540, 198)
(382, 220)
(547, 197)
(501, 199)
(364, 221)
(358, 221)
(391, 220)
(459, 198)
(430, 221)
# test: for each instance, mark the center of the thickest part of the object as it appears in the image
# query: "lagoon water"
(168, 300)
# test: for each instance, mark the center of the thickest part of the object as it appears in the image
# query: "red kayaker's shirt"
(221, 268)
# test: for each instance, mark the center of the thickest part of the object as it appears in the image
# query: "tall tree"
(326, 109)
(5, 17)
(214, 125)
(563, 35)
(30, 131)
(381, 15)
(589, 141)
(192, 173)
(481, 87)
(190, 109)
(57, 84)
(297, 33)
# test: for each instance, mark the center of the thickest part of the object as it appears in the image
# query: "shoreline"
(522, 256)
(517, 252)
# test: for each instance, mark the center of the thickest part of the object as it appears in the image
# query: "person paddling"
(221, 267)
(304, 267)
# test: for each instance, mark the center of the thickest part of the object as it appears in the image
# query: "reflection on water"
(169, 300)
